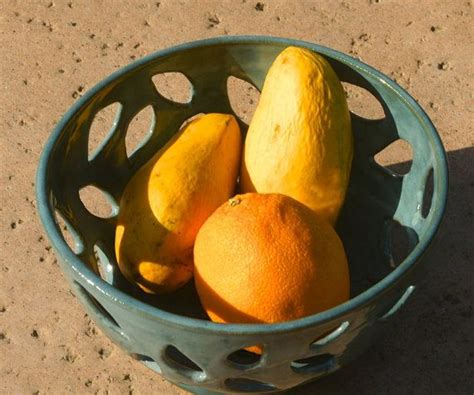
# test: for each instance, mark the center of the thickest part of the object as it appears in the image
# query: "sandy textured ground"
(53, 51)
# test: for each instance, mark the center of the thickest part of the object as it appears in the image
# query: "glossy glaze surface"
(153, 330)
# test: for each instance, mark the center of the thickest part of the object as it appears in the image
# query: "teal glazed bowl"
(170, 334)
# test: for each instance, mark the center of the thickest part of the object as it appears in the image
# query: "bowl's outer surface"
(376, 200)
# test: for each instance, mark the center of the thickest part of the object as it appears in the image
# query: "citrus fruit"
(267, 258)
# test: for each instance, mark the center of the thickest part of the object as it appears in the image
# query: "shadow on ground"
(428, 346)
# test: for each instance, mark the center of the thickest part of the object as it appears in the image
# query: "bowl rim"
(87, 275)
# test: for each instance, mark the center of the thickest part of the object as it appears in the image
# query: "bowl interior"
(385, 216)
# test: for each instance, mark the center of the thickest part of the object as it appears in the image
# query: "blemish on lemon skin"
(234, 201)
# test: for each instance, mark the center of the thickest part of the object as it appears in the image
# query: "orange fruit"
(267, 258)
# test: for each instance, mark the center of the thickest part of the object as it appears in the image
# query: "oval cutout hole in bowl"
(70, 235)
(243, 98)
(245, 359)
(177, 359)
(242, 384)
(147, 361)
(363, 103)
(104, 266)
(427, 194)
(397, 157)
(103, 125)
(397, 242)
(174, 86)
(98, 202)
(331, 336)
(323, 363)
(97, 307)
(399, 303)
(140, 129)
